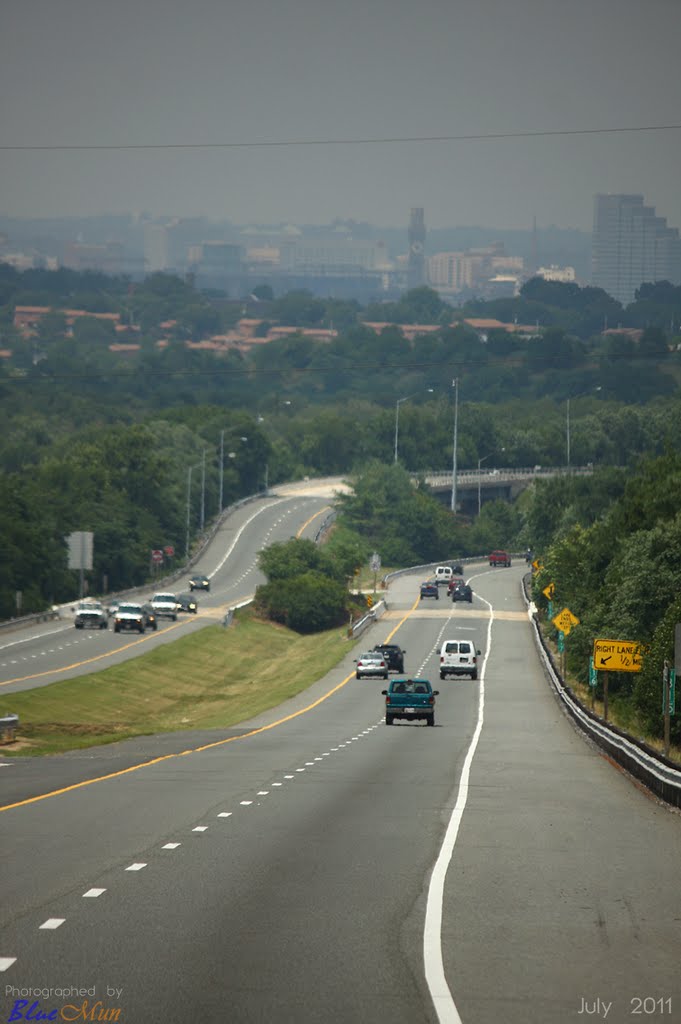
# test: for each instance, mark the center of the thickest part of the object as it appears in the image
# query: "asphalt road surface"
(315, 865)
(42, 654)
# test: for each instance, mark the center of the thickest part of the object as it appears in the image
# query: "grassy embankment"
(214, 678)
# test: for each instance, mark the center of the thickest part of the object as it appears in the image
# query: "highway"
(315, 865)
(42, 654)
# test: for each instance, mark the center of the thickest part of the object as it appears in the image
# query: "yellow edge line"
(207, 746)
(326, 508)
(90, 661)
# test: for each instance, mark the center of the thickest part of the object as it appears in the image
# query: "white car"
(165, 606)
(129, 616)
(91, 615)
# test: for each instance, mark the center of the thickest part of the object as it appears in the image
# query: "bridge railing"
(439, 476)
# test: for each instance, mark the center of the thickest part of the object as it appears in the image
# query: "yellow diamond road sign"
(549, 591)
(617, 656)
(565, 620)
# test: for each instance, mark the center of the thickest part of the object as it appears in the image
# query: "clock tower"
(416, 266)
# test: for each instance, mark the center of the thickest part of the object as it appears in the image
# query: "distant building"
(331, 256)
(487, 272)
(631, 245)
(554, 273)
(108, 258)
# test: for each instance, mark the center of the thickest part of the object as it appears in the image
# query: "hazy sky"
(169, 73)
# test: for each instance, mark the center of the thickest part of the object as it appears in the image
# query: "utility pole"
(455, 385)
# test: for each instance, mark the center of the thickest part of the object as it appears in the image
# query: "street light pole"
(480, 462)
(397, 422)
(582, 394)
(203, 489)
(222, 466)
(189, 506)
(455, 385)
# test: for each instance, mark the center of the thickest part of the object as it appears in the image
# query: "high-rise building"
(630, 246)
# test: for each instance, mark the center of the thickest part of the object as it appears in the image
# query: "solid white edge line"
(436, 980)
(238, 534)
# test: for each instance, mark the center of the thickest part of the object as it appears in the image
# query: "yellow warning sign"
(549, 591)
(617, 656)
(565, 620)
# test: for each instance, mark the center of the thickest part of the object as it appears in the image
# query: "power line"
(388, 140)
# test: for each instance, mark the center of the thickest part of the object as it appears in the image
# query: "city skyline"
(271, 113)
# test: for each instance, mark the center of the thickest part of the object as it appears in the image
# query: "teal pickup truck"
(410, 699)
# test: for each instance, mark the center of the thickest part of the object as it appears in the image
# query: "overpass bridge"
(474, 487)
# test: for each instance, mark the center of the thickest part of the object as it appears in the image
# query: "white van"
(458, 658)
(443, 574)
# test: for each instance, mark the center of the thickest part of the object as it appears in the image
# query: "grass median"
(214, 678)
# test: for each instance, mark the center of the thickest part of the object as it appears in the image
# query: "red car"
(454, 583)
(500, 558)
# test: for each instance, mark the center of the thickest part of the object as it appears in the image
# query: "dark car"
(393, 654)
(149, 617)
(462, 592)
(457, 570)
(199, 582)
(430, 589)
(187, 603)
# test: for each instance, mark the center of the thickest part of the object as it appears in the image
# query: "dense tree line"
(92, 440)
(611, 544)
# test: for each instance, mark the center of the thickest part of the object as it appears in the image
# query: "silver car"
(371, 664)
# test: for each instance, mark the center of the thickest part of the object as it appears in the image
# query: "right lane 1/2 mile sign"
(617, 656)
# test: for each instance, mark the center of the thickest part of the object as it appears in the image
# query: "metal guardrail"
(441, 477)
(367, 620)
(59, 611)
(657, 773)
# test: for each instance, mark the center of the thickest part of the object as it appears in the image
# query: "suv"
(91, 616)
(429, 589)
(165, 605)
(458, 658)
(130, 616)
(462, 592)
(500, 558)
(393, 654)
